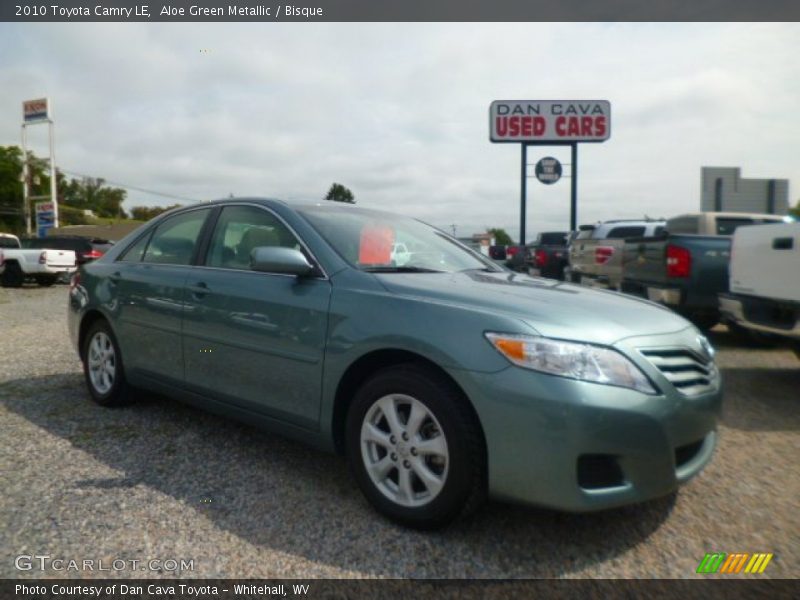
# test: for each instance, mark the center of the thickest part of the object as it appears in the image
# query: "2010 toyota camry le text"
(442, 377)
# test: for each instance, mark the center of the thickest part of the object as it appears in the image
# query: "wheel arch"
(90, 318)
(363, 367)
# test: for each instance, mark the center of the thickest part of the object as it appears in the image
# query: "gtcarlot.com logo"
(738, 562)
(44, 562)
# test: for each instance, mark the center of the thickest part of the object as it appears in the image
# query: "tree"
(796, 210)
(501, 237)
(145, 213)
(339, 193)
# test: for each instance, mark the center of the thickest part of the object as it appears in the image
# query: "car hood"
(553, 308)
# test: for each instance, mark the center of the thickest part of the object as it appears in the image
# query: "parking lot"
(160, 480)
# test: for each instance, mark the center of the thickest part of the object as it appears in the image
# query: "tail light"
(602, 254)
(43, 257)
(679, 261)
(511, 251)
(540, 258)
(92, 254)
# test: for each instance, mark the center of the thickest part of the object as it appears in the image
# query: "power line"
(130, 187)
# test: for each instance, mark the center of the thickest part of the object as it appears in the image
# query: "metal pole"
(573, 209)
(26, 205)
(53, 185)
(523, 193)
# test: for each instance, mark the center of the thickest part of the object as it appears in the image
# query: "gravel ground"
(160, 480)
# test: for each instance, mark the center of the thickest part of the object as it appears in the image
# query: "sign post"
(35, 112)
(549, 123)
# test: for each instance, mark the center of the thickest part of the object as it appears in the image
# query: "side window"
(173, 242)
(136, 250)
(239, 230)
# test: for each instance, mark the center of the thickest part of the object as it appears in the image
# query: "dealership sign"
(549, 121)
(35, 110)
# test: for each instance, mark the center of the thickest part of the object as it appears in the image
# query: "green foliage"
(501, 237)
(796, 210)
(74, 195)
(145, 213)
(339, 193)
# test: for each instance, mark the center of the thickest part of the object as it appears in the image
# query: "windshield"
(382, 242)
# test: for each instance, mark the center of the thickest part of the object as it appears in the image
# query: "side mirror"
(276, 259)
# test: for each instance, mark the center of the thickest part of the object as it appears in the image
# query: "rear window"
(683, 225)
(552, 239)
(726, 225)
(629, 231)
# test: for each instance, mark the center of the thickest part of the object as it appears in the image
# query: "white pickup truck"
(765, 280)
(43, 266)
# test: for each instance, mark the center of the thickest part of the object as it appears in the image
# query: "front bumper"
(579, 446)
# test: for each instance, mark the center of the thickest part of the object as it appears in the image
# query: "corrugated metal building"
(724, 189)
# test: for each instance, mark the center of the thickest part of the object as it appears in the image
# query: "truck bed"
(693, 295)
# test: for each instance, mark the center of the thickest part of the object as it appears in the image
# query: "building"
(724, 189)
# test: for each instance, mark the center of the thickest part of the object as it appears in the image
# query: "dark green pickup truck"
(687, 267)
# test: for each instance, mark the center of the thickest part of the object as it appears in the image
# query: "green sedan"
(443, 380)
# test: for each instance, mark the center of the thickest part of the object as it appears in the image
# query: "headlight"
(570, 359)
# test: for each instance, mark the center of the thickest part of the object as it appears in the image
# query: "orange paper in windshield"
(375, 247)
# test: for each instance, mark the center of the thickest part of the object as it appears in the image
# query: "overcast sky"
(399, 112)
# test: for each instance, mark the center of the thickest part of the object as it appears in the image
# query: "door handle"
(199, 290)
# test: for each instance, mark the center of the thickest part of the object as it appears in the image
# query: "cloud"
(398, 112)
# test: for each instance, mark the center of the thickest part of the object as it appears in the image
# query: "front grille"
(688, 371)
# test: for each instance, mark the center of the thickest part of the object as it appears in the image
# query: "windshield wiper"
(482, 269)
(389, 269)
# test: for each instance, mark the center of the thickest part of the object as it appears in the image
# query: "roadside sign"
(553, 121)
(35, 110)
(548, 170)
(45, 218)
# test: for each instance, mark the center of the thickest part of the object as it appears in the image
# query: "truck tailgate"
(767, 261)
(597, 258)
(59, 259)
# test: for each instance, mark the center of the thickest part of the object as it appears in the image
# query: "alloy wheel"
(404, 450)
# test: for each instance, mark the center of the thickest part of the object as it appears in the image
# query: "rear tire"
(415, 447)
(102, 367)
(13, 275)
(704, 322)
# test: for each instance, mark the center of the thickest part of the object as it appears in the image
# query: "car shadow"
(279, 494)
(761, 399)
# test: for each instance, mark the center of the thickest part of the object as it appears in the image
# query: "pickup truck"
(687, 267)
(43, 266)
(765, 300)
(548, 255)
(595, 255)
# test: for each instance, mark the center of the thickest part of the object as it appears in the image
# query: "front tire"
(415, 447)
(102, 367)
